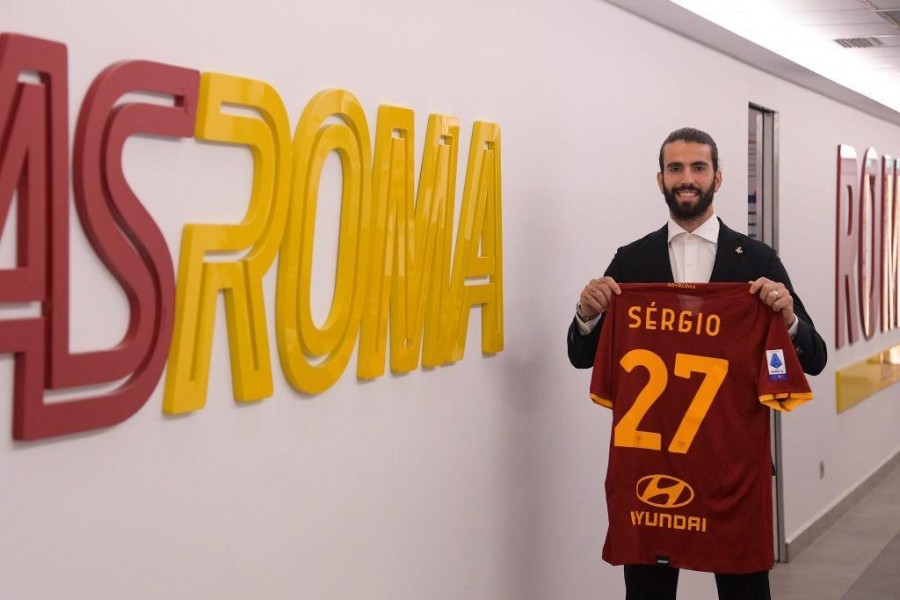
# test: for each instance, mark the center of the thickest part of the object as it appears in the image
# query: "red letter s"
(34, 120)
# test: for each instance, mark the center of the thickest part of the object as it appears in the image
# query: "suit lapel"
(658, 256)
(729, 255)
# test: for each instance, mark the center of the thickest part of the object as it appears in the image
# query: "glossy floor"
(858, 558)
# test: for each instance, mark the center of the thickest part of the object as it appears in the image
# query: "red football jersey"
(690, 372)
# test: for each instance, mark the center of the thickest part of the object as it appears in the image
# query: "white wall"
(478, 480)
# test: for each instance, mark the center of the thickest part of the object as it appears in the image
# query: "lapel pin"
(738, 250)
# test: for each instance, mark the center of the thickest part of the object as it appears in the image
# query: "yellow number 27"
(626, 433)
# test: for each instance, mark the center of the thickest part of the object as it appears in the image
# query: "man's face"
(688, 181)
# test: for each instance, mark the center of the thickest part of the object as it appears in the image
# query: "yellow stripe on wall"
(856, 382)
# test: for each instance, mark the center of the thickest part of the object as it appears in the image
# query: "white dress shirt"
(692, 255)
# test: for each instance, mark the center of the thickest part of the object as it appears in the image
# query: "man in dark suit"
(694, 247)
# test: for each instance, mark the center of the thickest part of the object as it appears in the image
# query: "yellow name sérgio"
(653, 318)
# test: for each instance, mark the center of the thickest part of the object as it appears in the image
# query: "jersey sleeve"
(602, 375)
(781, 384)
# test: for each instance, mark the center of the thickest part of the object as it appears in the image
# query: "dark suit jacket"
(738, 258)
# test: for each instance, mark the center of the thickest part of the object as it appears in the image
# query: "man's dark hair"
(689, 134)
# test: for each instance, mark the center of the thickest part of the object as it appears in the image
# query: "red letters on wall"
(34, 166)
(868, 245)
(34, 162)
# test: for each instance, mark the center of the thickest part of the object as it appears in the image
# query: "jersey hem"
(704, 567)
(785, 402)
(601, 401)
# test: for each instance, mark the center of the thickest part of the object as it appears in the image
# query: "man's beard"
(688, 212)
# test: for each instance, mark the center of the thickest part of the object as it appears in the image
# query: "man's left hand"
(775, 295)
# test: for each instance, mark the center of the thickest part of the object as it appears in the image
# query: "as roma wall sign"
(396, 266)
(867, 282)
(868, 245)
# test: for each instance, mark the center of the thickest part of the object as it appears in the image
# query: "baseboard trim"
(795, 546)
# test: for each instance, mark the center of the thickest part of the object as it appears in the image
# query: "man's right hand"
(596, 295)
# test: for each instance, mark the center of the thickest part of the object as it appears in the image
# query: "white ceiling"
(796, 40)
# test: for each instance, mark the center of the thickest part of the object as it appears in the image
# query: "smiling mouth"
(687, 194)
